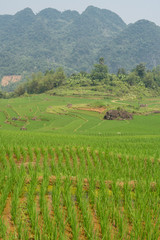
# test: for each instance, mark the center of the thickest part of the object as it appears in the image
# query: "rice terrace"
(79, 121)
(67, 173)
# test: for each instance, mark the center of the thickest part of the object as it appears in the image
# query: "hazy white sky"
(129, 10)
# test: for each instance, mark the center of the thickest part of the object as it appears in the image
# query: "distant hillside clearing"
(6, 80)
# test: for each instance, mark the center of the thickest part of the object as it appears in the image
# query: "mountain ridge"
(32, 42)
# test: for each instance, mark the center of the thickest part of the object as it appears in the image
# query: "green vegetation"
(99, 81)
(133, 45)
(51, 39)
(66, 173)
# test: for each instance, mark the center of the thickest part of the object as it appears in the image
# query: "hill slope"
(139, 42)
(29, 42)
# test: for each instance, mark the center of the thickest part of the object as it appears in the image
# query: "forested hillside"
(139, 42)
(35, 42)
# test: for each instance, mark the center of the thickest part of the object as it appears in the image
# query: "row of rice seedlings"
(3, 229)
(98, 176)
(144, 146)
(96, 161)
(127, 214)
(37, 160)
(116, 203)
(68, 166)
(93, 172)
(31, 205)
(117, 213)
(5, 168)
(7, 188)
(49, 230)
(86, 168)
(34, 162)
(17, 153)
(99, 201)
(151, 169)
(23, 153)
(44, 208)
(108, 161)
(145, 213)
(30, 173)
(3, 192)
(72, 216)
(60, 162)
(43, 150)
(112, 165)
(37, 153)
(82, 162)
(84, 207)
(92, 191)
(51, 152)
(73, 156)
(102, 209)
(20, 181)
(57, 208)
(46, 163)
(110, 210)
(30, 153)
(98, 164)
(8, 150)
(53, 165)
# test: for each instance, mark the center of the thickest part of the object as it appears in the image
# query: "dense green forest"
(50, 39)
(139, 82)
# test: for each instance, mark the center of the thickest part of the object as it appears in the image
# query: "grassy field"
(73, 115)
(68, 174)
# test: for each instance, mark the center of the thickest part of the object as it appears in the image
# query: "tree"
(141, 70)
(132, 79)
(100, 71)
(1, 94)
(33, 83)
(20, 90)
(149, 80)
(101, 60)
(156, 75)
(59, 77)
(121, 71)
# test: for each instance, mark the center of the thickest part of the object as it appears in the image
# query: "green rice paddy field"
(66, 173)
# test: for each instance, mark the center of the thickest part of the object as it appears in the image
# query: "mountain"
(30, 42)
(139, 42)
(89, 33)
(35, 42)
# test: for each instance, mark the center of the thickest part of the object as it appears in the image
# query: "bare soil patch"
(6, 80)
